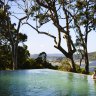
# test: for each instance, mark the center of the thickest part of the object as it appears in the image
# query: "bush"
(29, 64)
(65, 65)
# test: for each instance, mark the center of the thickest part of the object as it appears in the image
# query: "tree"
(43, 56)
(10, 32)
(49, 11)
(41, 62)
(85, 22)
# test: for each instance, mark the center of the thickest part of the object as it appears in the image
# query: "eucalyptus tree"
(84, 17)
(56, 12)
(9, 34)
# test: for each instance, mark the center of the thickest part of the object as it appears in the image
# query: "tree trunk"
(86, 61)
(86, 53)
(72, 64)
(16, 54)
(70, 54)
(14, 57)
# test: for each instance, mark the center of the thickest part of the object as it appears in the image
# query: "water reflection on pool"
(45, 82)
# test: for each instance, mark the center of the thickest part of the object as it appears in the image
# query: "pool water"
(45, 82)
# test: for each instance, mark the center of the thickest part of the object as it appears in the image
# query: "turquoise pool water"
(45, 82)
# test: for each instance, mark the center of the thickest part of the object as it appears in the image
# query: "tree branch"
(41, 4)
(62, 50)
(59, 38)
(39, 32)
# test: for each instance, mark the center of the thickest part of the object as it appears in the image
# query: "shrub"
(65, 65)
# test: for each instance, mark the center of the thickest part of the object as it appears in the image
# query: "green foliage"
(35, 8)
(22, 37)
(65, 65)
(43, 18)
(23, 55)
(42, 56)
(80, 4)
(42, 62)
(29, 64)
(5, 57)
(86, 13)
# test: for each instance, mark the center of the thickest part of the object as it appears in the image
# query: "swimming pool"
(45, 82)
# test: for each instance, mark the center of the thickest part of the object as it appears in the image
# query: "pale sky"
(38, 43)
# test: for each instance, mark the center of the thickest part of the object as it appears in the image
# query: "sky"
(38, 43)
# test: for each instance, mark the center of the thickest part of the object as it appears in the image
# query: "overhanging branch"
(39, 32)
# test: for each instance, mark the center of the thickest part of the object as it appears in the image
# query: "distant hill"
(92, 56)
(34, 56)
(49, 56)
